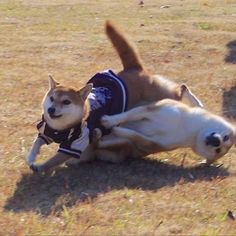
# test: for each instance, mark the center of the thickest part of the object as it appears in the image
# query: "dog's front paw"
(205, 163)
(34, 168)
(108, 121)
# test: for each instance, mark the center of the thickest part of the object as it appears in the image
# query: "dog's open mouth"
(55, 116)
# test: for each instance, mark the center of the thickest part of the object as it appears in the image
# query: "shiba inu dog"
(71, 115)
(171, 125)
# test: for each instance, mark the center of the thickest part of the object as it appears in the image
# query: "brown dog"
(67, 112)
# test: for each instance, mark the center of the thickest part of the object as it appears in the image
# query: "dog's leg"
(111, 141)
(109, 156)
(140, 141)
(122, 137)
(35, 150)
(58, 159)
(88, 154)
(137, 113)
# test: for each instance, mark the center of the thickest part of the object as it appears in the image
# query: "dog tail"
(127, 52)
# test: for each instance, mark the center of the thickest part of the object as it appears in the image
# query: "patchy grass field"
(189, 41)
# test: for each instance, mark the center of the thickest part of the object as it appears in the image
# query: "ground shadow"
(231, 57)
(229, 103)
(87, 181)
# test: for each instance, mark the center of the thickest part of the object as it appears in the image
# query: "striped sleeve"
(46, 139)
(41, 128)
(76, 147)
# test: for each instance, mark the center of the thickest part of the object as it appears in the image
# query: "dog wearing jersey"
(169, 124)
(71, 115)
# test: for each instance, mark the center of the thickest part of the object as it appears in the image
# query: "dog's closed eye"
(226, 138)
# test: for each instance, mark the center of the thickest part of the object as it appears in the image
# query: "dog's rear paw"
(108, 121)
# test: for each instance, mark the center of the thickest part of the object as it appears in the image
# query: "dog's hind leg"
(135, 114)
(112, 141)
(141, 141)
(122, 137)
(109, 156)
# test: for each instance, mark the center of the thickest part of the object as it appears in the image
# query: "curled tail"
(127, 52)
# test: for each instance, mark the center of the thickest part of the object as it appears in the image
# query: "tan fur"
(77, 97)
(142, 88)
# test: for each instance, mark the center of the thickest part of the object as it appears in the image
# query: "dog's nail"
(231, 215)
(34, 168)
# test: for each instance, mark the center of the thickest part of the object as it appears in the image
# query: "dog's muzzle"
(51, 112)
(213, 140)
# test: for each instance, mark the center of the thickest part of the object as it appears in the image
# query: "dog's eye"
(226, 138)
(66, 102)
(51, 99)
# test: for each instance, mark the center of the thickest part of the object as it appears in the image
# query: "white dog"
(169, 124)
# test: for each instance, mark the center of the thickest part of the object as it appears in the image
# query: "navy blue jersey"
(108, 97)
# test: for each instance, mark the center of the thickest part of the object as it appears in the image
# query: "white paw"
(30, 159)
(108, 121)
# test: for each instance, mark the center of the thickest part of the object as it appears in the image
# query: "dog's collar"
(59, 136)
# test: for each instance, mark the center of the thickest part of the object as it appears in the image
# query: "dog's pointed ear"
(84, 92)
(186, 96)
(52, 83)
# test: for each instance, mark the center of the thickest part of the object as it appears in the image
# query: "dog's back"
(143, 87)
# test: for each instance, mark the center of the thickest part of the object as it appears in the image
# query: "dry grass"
(190, 41)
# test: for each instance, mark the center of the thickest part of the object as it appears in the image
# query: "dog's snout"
(213, 140)
(51, 110)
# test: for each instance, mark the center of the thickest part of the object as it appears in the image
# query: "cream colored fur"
(171, 125)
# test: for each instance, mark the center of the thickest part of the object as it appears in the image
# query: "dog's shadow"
(229, 95)
(229, 103)
(49, 194)
(231, 57)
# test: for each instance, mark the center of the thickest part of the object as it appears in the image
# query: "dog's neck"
(86, 112)
(192, 122)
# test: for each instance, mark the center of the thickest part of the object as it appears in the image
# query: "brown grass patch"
(189, 41)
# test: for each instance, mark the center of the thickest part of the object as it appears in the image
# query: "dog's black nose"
(213, 140)
(51, 110)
